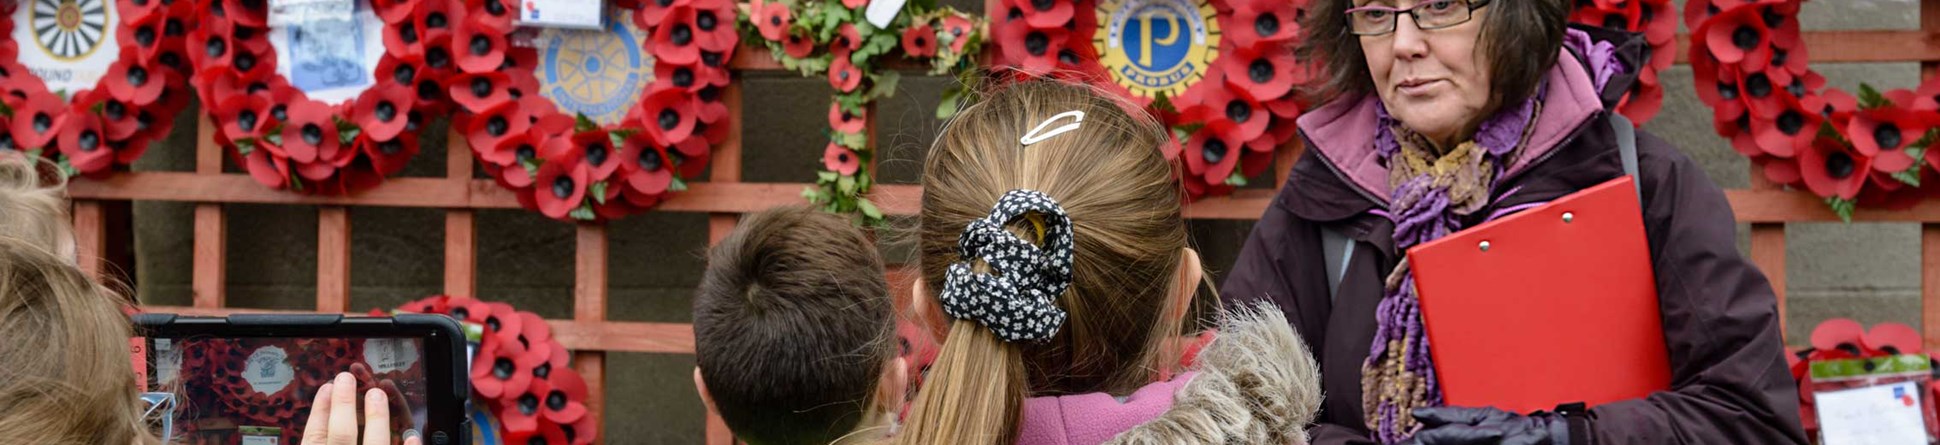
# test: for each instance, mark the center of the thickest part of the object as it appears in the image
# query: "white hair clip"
(1039, 135)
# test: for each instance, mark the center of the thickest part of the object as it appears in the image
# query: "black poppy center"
(216, 47)
(1840, 165)
(145, 36)
(1043, 5)
(1238, 111)
(42, 122)
(492, 323)
(1214, 151)
(90, 140)
(555, 400)
(436, 20)
(496, 126)
(1779, 57)
(664, 3)
(706, 20)
(1037, 43)
(683, 77)
(650, 160)
(280, 112)
(1790, 122)
(710, 58)
(245, 61)
(525, 152)
(137, 76)
(562, 187)
(461, 313)
(596, 153)
(503, 368)
(1266, 25)
(481, 45)
(1727, 91)
(312, 134)
(1744, 37)
(408, 32)
(669, 119)
(437, 57)
(774, 20)
(404, 73)
(1067, 57)
(428, 90)
(494, 7)
(386, 112)
(544, 370)
(1260, 71)
(528, 404)
(682, 35)
(115, 110)
(481, 87)
(1888, 136)
(246, 120)
(390, 147)
(1758, 85)
(1771, 17)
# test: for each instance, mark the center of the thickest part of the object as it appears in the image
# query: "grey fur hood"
(1255, 384)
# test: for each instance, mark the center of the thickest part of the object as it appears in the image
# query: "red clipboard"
(1556, 304)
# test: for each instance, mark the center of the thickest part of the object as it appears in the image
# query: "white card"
(288, 12)
(579, 14)
(390, 354)
(259, 440)
(268, 370)
(1874, 415)
(68, 44)
(880, 12)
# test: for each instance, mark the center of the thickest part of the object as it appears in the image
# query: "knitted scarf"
(1432, 191)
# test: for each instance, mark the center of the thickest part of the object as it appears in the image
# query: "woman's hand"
(333, 416)
(1480, 426)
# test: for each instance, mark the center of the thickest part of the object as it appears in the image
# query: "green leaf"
(1911, 176)
(584, 212)
(1236, 180)
(1827, 132)
(885, 85)
(868, 208)
(624, 133)
(825, 176)
(61, 94)
(811, 194)
(1164, 103)
(948, 106)
(274, 138)
(598, 190)
(245, 146)
(1870, 98)
(532, 166)
(6, 110)
(99, 108)
(617, 139)
(582, 124)
(348, 136)
(67, 168)
(1841, 206)
(33, 154)
(846, 185)
(855, 141)
(678, 185)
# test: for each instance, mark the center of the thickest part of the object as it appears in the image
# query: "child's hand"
(333, 416)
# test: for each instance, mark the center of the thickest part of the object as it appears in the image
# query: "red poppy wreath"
(1652, 18)
(89, 84)
(595, 125)
(520, 372)
(1220, 73)
(1750, 67)
(309, 113)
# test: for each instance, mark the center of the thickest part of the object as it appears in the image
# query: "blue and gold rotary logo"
(599, 74)
(1154, 47)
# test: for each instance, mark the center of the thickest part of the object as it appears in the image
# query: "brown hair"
(33, 207)
(1513, 27)
(1117, 188)
(65, 374)
(792, 327)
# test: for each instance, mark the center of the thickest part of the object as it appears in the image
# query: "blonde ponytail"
(974, 392)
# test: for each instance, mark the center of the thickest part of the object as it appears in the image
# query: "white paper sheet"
(1874, 415)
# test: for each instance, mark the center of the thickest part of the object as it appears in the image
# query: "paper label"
(67, 43)
(259, 435)
(293, 12)
(600, 73)
(881, 12)
(390, 354)
(1873, 415)
(168, 361)
(580, 14)
(330, 58)
(268, 370)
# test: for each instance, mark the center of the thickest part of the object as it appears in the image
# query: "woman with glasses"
(1438, 115)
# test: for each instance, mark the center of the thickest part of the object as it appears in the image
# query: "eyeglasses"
(1433, 14)
(160, 412)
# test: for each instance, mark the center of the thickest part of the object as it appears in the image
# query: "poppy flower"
(957, 31)
(846, 121)
(561, 397)
(714, 26)
(244, 115)
(645, 166)
(919, 41)
(841, 160)
(380, 111)
(1035, 50)
(1761, 95)
(1832, 169)
(389, 156)
(478, 91)
(502, 368)
(690, 157)
(773, 19)
(1212, 153)
(544, 432)
(843, 75)
(652, 12)
(435, 304)
(798, 45)
(1262, 75)
(1884, 133)
(674, 40)
(1792, 129)
(670, 115)
(511, 153)
(1837, 338)
(310, 132)
(130, 81)
(505, 121)
(479, 47)
(560, 186)
(1642, 103)
(495, 15)
(1890, 339)
(1221, 101)
(251, 13)
(1044, 14)
(847, 37)
(601, 157)
(1738, 37)
(1261, 21)
(120, 120)
(37, 119)
(687, 77)
(270, 171)
(82, 141)
(533, 329)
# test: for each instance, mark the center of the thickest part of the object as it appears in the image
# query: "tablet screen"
(258, 390)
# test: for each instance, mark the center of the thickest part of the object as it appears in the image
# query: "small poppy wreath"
(519, 371)
(1229, 103)
(1750, 66)
(90, 132)
(1653, 19)
(570, 167)
(288, 140)
(1844, 339)
(834, 39)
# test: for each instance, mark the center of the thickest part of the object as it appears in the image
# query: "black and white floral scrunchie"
(1018, 299)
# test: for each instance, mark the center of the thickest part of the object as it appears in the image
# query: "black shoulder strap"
(1627, 147)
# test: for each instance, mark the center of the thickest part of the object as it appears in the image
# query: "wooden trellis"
(1767, 208)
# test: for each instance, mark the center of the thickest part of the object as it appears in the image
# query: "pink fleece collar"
(1094, 417)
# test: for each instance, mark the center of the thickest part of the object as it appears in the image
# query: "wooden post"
(726, 168)
(1929, 232)
(90, 238)
(333, 259)
(208, 281)
(589, 306)
(1768, 248)
(461, 236)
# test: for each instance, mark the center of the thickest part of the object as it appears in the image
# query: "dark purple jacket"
(1731, 383)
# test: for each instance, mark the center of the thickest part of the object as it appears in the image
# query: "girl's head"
(31, 209)
(65, 375)
(1131, 273)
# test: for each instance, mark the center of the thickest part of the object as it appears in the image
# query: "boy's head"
(793, 329)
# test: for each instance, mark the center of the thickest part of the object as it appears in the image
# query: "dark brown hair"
(1529, 32)
(792, 327)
